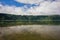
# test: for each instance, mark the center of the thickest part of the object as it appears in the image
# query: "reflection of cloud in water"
(42, 29)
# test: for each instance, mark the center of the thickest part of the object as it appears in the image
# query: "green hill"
(9, 19)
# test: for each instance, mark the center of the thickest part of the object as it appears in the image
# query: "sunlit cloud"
(43, 7)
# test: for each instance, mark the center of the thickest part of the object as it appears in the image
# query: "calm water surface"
(52, 30)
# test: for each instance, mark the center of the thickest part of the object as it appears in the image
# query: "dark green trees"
(9, 19)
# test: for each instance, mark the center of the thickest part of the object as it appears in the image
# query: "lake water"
(52, 30)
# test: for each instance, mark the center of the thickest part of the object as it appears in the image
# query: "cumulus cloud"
(11, 9)
(29, 1)
(34, 1)
(45, 7)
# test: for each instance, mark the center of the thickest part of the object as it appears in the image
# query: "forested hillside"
(9, 19)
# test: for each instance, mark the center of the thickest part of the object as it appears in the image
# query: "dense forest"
(9, 19)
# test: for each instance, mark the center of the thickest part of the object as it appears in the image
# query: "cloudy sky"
(30, 7)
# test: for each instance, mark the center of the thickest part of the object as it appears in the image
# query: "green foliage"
(8, 19)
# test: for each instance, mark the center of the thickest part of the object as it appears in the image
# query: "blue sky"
(15, 3)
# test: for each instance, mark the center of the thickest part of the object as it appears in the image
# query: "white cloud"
(11, 10)
(34, 1)
(45, 8)
(29, 1)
